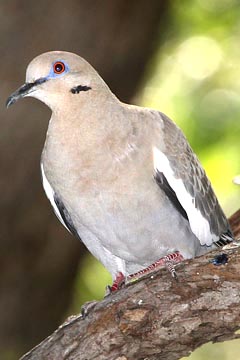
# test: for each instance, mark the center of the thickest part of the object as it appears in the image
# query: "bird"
(121, 178)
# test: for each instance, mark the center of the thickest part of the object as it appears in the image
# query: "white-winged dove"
(122, 178)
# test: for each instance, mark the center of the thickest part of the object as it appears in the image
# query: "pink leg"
(118, 282)
(169, 261)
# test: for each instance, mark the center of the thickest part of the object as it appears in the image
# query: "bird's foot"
(168, 261)
(118, 283)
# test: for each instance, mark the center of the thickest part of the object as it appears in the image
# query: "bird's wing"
(58, 206)
(180, 175)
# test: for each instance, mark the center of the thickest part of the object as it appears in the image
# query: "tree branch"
(157, 316)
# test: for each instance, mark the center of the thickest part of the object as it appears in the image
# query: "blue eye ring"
(59, 67)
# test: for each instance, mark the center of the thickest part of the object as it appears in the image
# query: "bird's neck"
(96, 129)
(89, 121)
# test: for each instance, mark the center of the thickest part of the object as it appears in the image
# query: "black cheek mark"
(77, 89)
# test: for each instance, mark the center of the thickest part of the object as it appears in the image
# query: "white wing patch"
(50, 195)
(199, 225)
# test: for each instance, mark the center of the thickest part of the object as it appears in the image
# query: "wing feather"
(188, 181)
(58, 207)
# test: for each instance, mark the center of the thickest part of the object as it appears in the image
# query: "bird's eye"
(58, 67)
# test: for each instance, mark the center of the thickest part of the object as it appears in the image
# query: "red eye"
(58, 67)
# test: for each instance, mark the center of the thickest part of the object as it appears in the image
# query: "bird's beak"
(24, 90)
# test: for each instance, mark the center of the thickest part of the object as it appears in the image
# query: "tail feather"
(225, 239)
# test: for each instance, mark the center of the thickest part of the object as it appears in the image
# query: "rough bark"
(157, 317)
(38, 259)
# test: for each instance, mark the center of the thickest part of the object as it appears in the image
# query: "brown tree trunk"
(157, 317)
(38, 258)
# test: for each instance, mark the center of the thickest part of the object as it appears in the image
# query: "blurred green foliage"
(194, 79)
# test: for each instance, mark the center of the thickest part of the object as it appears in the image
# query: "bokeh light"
(199, 57)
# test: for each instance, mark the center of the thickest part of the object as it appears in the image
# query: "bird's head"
(54, 76)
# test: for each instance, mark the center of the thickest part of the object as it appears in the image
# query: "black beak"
(23, 91)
